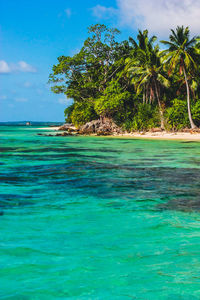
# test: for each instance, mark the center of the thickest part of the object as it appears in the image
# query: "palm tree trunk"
(143, 97)
(144, 94)
(193, 126)
(162, 122)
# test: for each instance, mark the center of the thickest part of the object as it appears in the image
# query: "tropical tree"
(94, 78)
(112, 100)
(132, 82)
(145, 70)
(181, 55)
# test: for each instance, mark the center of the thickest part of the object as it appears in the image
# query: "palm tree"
(143, 40)
(146, 72)
(181, 55)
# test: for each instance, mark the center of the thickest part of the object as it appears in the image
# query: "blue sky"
(34, 33)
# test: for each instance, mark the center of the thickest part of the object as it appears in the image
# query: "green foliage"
(146, 71)
(68, 113)
(145, 118)
(132, 82)
(196, 112)
(111, 101)
(177, 115)
(127, 110)
(181, 56)
(82, 113)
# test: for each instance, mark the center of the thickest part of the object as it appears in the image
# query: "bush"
(82, 113)
(68, 113)
(112, 100)
(177, 115)
(145, 118)
(196, 112)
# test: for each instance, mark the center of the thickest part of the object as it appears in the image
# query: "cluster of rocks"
(156, 129)
(68, 127)
(99, 127)
(104, 127)
(95, 127)
(189, 130)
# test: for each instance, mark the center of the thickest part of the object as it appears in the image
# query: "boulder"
(100, 127)
(157, 129)
(67, 127)
(187, 130)
(190, 130)
(90, 127)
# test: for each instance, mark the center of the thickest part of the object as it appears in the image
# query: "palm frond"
(163, 80)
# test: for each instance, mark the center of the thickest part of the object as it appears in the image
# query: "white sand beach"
(164, 135)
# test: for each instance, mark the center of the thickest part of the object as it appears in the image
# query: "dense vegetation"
(132, 82)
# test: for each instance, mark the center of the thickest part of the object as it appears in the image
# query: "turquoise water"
(98, 218)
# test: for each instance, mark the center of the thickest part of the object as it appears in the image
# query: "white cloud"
(4, 67)
(102, 12)
(68, 12)
(159, 16)
(21, 66)
(21, 99)
(64, 101)
(24, 67)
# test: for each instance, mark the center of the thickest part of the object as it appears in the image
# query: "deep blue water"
(98, 218)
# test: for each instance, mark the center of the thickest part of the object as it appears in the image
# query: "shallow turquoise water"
(98, 218)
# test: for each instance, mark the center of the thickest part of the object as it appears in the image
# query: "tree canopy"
(132, 82)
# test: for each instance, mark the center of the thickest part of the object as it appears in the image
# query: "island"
(131, 86)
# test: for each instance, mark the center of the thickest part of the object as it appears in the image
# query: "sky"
(34, 33)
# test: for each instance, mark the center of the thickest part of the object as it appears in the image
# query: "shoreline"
(145, 135)
(162, 136)
(54, 128)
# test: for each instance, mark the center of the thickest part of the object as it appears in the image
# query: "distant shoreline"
(146, 135)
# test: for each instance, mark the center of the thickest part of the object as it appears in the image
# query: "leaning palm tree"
(181, 55)
(146, 72)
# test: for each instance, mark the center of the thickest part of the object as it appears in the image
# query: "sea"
(98, 218)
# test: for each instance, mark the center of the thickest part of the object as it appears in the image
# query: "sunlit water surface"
(98, 218)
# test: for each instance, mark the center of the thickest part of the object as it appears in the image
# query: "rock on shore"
(96, 127)
(68, 127)
(99, 127)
